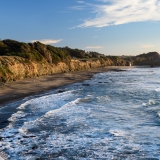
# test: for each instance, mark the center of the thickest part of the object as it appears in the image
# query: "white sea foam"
(88, 122)
(144, 104)
(41, 105)
(152, 102)
(69, 111)
(118, 133)
(84, 100)
(158, 113)
(47, 100)
(157, 89)
(103, 98)
(17, 115)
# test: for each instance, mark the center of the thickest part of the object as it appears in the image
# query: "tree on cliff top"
(33, 51)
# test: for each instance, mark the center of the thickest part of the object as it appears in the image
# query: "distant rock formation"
(151, 59)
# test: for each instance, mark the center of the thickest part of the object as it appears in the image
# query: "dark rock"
(34, 147)
(119, 70)
(25, 136)
(85, 84)
(60, 91)
(4, 121)
(9, 137)
(56, 155)
(149, 158)
(32, 136)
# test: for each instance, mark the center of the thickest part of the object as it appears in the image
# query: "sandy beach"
(32, 86)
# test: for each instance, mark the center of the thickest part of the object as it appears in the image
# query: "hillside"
(151, 58)
(20, 60)
(33, 51)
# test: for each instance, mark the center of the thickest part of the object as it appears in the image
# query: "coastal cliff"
(13, 68)
(20, 60)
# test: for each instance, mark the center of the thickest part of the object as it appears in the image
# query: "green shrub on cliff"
(40, 52)
(3, 48)
(58, 54)
(74, 53)
(4, 73)
(33, 51)
(16, 47)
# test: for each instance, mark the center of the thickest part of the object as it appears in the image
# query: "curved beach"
(32, 86)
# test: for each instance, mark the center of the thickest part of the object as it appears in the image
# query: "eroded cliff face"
(14, 68)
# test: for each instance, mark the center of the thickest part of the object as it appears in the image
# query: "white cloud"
(116, 12)
(80, 1)
(147, 45)
(78, 7)
(94, 47)
(47, 41)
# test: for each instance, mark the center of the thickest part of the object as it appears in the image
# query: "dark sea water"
(113, 116)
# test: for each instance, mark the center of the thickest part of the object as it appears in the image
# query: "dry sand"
(32, 86)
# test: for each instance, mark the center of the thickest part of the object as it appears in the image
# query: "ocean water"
(113, 116)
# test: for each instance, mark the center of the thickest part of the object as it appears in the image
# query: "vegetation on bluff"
(46, 53)
(19, 60)
(40, 52)
(78, 53)
(33, 51)
(151, 58)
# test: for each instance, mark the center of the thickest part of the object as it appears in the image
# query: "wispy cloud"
(116, 12)
(94, 47)
(78, 7)
(80, 1)
(147, 45)
(47, 41)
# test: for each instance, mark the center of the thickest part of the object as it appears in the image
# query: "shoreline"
(17, 90)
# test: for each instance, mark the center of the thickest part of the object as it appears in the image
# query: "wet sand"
(32, 86)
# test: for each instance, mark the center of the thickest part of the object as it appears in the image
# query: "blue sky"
(111, 27)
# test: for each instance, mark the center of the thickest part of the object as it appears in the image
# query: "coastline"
(13, 91)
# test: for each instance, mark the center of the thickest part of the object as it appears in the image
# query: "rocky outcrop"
(151, 58)
(14, 68)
